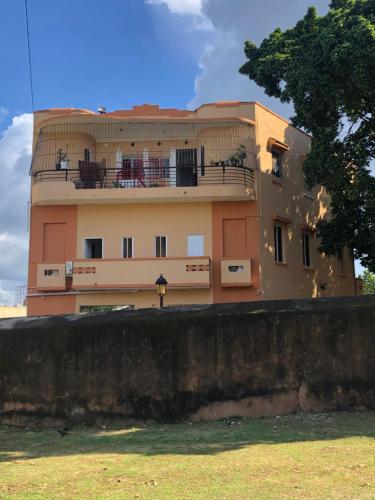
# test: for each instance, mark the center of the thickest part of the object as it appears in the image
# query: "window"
(277, 163)
(160, 246)
(105, 308)
(306, 249)
(93, 248)
(278, 236)
(236, 269)
(195, 245)
(306, 186)
(51, 272)
(127, 248)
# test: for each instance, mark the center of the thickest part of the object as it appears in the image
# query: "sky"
(117, 53)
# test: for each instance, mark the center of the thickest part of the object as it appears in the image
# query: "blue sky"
(116, 53)
(84, 53)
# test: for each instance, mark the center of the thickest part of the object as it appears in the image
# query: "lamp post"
(161, 286)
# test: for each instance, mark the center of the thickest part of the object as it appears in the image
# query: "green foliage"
(325, 65)
(368, 282)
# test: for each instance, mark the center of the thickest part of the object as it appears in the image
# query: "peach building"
(214, 199)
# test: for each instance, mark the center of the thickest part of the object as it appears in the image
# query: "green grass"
(297, 456)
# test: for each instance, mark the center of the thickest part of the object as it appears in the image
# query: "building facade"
(214, 199)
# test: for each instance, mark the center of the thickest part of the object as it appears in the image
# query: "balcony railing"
(140, 174)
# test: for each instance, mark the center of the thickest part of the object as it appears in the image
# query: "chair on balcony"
(139, 172)
(90, 173)
(125, 176)
(155, 174)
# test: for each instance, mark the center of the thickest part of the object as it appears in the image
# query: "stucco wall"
(12, 311)
(285, 197)
(253, 359)
(143, 223)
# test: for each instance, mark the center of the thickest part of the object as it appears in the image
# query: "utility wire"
(29, 52)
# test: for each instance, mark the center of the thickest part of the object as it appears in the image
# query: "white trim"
(93, 238)
(166, 245)
(122, 247)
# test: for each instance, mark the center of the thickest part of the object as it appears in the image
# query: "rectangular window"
(236, 269)
(93, 248)
(278, 237)
(195, 245)
(127, 248)
(306, 249)
(51, 272)
(160, 246)
(277, 164)
(306, 186)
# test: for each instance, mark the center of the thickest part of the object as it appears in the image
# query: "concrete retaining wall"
(250, 359)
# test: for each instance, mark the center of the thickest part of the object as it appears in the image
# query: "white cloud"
(230, 23)
(15, 157)
(193, 7)
(233, 23)
(16, 141)
(3, 113)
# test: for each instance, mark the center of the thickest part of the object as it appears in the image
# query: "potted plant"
(236, 159)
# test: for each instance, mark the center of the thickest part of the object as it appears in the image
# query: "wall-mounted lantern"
(161, 287)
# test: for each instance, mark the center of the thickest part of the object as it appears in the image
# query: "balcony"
(127, 162)
(125, 274)
(148, 184)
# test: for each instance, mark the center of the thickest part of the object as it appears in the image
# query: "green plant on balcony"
(236, 159)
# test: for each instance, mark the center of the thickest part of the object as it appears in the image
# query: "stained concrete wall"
(253, 359)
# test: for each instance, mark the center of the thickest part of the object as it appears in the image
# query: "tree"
(325, 65)
(368, 282)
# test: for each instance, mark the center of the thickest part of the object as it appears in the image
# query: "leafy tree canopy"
(325, 65)
(368, 282)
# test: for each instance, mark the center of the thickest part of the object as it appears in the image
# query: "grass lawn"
(298, 456)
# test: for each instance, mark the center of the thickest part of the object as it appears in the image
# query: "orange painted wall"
(45, 306)
(38, 218)
(222, 211)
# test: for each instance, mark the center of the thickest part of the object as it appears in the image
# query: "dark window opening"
(306, 249)
(105, 308)
(278, 237)
(93, 248)
(186, 160)
(127, 248)
(277, 163)
(51, 272)
(160, 246)
(306, 186)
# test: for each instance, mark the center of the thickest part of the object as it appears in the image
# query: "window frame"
(84, 247)
(307, 190)
(279, 155)
(306, 250)
(277, 226)
(203, 244)
(155, 246)
(122, 246)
